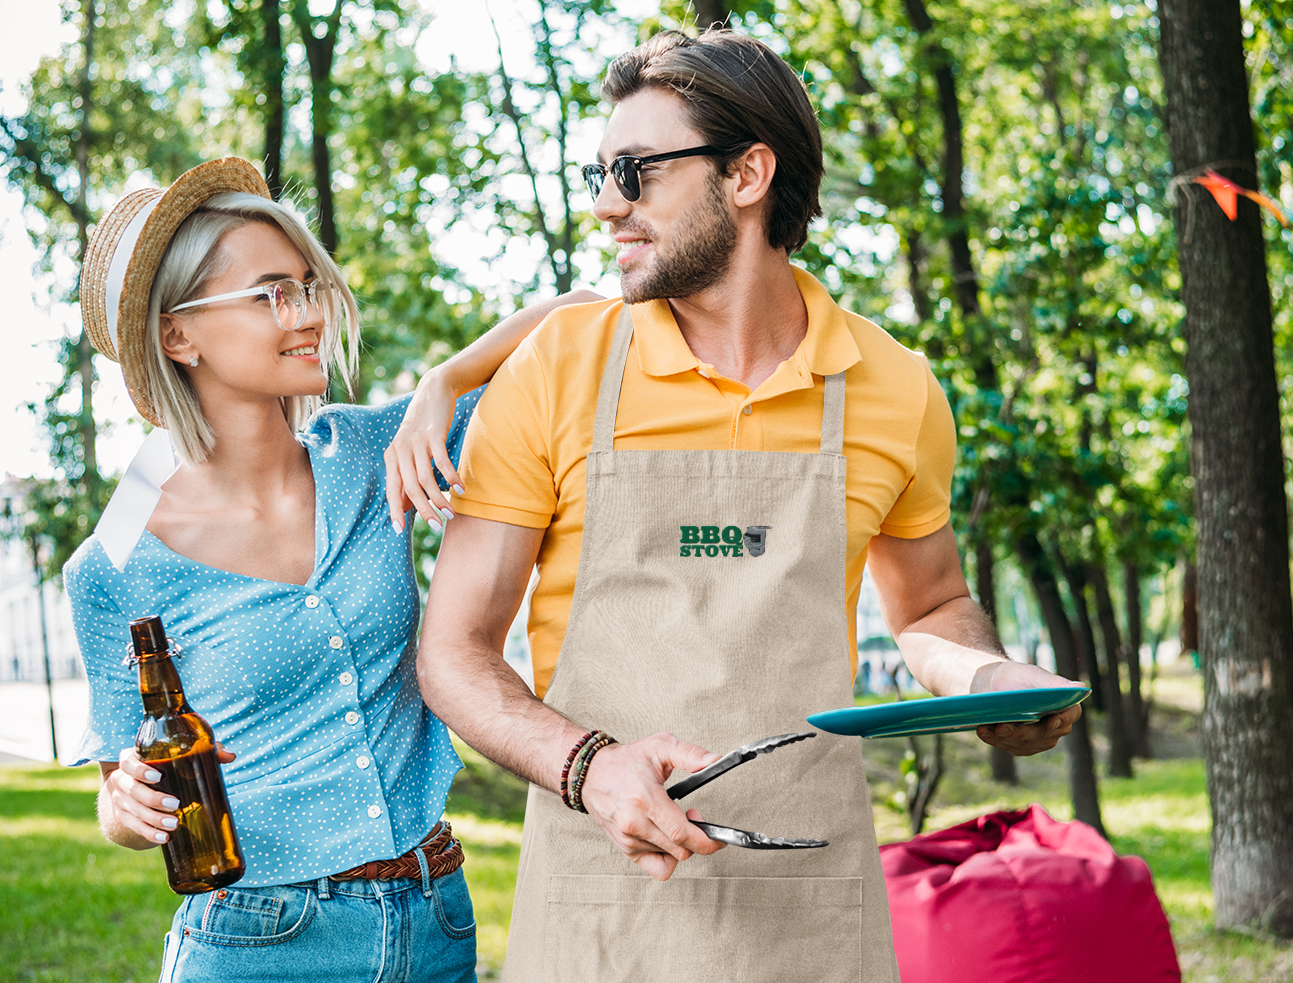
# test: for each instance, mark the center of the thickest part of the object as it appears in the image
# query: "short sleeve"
(103, 634)
(924, 506)
(506, 460)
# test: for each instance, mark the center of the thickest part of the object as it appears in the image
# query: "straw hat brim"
(191, 190)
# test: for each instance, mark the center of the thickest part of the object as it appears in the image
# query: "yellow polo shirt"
(523, 458)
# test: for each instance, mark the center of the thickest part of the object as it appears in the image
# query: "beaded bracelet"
(585, 759)
(570, 759)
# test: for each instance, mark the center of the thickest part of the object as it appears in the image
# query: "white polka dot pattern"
(339, 761)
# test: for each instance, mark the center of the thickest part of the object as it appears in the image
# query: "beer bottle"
(203, 852)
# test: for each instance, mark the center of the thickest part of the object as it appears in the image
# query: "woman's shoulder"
(337, 424)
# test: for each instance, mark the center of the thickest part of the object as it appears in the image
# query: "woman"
(277, 564)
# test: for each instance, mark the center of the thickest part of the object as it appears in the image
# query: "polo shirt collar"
(827, 348)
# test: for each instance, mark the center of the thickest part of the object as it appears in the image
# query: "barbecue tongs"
(740, 837)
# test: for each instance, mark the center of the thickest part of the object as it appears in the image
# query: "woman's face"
(242, 351)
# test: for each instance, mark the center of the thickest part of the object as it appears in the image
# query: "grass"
(74, 908)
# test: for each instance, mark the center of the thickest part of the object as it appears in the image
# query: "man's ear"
(174, 340)
(753, 171)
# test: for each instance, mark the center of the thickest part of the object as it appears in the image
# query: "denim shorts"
(379, 931)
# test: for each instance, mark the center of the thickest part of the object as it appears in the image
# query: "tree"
(1245, 610)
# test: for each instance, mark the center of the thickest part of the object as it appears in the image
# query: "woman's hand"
(140, 815)
(418, 444)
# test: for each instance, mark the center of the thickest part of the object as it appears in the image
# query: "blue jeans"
(388, 931)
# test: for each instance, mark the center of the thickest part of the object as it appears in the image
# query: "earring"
(193, 361)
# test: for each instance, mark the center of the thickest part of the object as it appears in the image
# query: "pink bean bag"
(1016, 897)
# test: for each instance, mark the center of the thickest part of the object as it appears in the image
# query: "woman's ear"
(175, 342)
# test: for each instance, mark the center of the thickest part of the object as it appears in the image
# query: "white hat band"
(120, 262)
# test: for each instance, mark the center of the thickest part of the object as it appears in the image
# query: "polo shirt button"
(363, 761)
(748, 409)
(336, 641)
(311, 601)
(374, 812)
(345, 679)
(352, 717)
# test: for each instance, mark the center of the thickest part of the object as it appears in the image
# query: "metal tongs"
(740, 837)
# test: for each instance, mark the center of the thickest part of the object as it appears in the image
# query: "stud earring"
(193, 361)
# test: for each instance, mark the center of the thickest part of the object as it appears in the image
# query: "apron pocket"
(608, 928)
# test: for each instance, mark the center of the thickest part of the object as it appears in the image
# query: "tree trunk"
(1137, 705)
(1245, 610)
(320, 50)
(710, 12)
(275, 67)
(88, 432)
(1002, 761)
(1087, 663)
(1120, 746)
(1077, 745)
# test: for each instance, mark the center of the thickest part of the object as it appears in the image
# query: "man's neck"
(748, 323)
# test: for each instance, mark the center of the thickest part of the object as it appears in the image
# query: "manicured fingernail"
(170, 822)
(170, 802)
(161, 837)
(448, 513)
(153, 776)
(395, 525)
(458, 490)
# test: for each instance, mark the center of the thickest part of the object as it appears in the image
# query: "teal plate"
(943, 714)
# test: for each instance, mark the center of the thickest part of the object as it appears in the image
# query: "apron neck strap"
(608, 397)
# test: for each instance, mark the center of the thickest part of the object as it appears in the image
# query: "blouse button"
(311, 601)
(374, 812)
(362, 761)
(345, 679)
(336, 641)
(352, 717)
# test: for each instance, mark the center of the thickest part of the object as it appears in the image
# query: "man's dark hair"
(738, 93)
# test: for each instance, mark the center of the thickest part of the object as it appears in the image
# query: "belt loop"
(324, 887)
(426, 871)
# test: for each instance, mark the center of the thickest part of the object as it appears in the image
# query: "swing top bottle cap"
(148, 635)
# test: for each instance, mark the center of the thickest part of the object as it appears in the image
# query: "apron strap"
(833, 415)
(608, 398)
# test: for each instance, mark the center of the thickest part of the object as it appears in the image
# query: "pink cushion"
(1016, 897)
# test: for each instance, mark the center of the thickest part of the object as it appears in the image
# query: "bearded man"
(701, 471)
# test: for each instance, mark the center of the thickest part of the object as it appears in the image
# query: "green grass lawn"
(75, 908)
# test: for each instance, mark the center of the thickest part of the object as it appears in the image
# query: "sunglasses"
(627, 170)
(288, 298)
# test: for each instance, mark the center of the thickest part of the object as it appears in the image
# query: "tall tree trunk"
(320, 50)
(1077, 745)
(1075, 576)
(1137, 705)
(1245, 610)
(1120, 746)
(88, 432)
(710, 12)
(275, 67)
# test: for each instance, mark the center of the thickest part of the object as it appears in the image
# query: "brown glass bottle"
(203, 852)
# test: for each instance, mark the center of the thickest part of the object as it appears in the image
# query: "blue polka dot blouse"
(339, 761)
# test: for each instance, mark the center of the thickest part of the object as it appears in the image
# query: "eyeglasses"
(627, 170)
(288, 297)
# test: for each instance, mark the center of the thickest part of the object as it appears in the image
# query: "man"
(699, 590)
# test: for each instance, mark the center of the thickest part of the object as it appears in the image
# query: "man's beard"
(698, 262)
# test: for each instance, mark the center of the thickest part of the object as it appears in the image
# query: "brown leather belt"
(443, 856)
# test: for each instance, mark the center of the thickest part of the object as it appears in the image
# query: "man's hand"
(1023, 739)
(624, 792)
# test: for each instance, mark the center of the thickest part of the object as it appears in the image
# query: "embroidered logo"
(722, 541)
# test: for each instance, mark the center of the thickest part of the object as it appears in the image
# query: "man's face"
(677, 238)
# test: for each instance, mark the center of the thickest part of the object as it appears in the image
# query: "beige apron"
(719, 644)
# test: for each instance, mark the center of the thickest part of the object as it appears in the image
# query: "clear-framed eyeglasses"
(287, 297)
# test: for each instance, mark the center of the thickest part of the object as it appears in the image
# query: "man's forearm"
(947, 647)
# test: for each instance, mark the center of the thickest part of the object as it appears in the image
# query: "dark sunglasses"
(627, 170)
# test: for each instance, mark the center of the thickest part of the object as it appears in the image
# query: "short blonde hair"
(192, 259)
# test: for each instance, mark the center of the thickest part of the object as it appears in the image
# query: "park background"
(1001, 194)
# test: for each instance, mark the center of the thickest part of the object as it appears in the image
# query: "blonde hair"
(192, 259)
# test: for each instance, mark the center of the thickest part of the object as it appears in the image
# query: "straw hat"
(125, 251)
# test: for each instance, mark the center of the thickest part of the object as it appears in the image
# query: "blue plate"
(942, 714)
